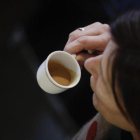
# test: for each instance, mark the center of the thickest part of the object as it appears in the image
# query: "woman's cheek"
(93, 82)
(95, 101)
(97, 94)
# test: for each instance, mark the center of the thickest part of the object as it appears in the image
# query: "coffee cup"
(59, 72)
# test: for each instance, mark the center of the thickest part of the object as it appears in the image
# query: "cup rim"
(53, 81)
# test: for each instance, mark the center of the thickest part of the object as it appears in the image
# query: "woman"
(115, 76)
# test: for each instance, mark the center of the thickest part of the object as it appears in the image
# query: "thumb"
(82, 57)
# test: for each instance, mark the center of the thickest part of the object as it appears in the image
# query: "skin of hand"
(94, 38)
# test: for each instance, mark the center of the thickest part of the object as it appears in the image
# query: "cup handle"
(89, 51)
(73, 55)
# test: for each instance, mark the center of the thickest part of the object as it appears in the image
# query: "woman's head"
(126, 66)
(115, 74)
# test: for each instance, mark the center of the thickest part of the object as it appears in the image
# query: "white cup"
(44, 78)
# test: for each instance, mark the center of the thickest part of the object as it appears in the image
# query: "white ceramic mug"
(44, 78)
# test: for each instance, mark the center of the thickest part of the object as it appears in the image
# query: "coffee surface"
(60, 73)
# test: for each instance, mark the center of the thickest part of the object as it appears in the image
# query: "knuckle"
(66, 49)
(105, 38)
(98, 23)
(82, 40)
(106, 27)
(74, 35)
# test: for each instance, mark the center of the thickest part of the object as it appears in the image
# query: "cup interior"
(67, 61)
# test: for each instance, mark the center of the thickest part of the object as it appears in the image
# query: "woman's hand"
(94, 38)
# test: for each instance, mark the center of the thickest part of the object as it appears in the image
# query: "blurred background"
(29, 31)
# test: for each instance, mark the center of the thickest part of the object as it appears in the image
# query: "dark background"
(29, 31)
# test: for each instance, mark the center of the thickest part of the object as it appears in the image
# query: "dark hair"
(126, 64)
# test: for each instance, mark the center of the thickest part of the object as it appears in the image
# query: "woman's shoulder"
(99, 129)
(95, 129)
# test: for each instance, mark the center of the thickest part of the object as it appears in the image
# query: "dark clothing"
(119, 134)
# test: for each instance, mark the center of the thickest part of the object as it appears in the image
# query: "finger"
(87, 43)
(76, 34)
(82, 57)
(92, 29)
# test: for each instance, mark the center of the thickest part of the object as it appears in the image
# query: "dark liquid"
(60, 73)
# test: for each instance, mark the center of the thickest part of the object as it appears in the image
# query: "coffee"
(60, 73)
